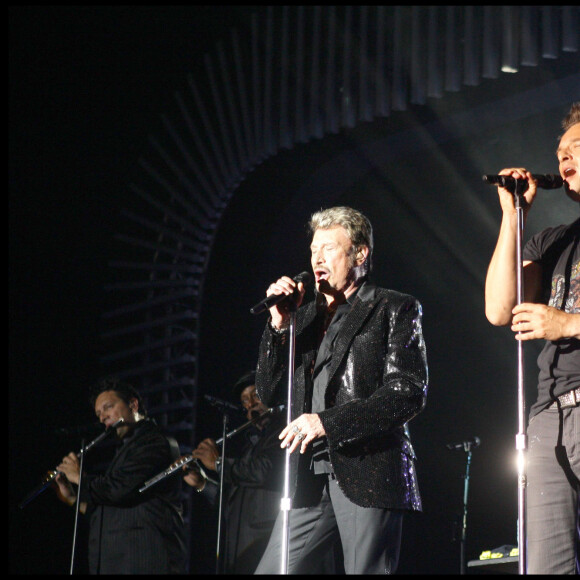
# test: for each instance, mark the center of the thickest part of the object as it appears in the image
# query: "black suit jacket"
(378, 382)
(132, 532)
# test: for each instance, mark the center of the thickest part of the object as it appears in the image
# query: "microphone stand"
(467, 447)
(521, 435)
(77, 506)
(225, 420)
(286, 502)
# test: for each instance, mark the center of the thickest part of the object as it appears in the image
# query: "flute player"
(129, 532)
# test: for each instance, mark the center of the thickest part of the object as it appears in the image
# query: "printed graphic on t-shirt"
(572, 305)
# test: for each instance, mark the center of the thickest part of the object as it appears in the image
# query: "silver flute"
(182, 461)
(51, 476)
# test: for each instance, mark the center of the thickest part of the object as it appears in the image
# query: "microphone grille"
(553, 182)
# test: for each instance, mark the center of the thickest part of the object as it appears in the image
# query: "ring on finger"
(295, 429)
(301, 436)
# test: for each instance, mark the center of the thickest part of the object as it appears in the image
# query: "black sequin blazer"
(378, 382)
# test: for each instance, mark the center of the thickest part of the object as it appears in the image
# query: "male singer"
(550, 311)
(360, 376)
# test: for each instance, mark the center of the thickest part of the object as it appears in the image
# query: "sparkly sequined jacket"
(378, 382)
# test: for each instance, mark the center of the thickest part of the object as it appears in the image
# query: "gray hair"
(357, 226)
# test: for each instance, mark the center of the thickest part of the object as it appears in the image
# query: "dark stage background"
(88, 86)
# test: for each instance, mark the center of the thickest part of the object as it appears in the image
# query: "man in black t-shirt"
(557, 252)
(550, 311)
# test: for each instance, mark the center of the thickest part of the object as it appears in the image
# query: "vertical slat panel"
(399, 95)
(191, 163)
(269, 145)
(243, 99)
(570, 25)
(259, 142)
(381, 81)
(234, 117)
(418, 74)
(200, 145)
(452, 66)
(299, 92)
(434, 79)
(529, 35)
(209, 131)
(347, 105)
(490, 43)
(510, 36)
(549, 33)
(190, 220)
(166, 186)
(315, 125)
(364, 105)
(471, 45)
(225, 137)
(284, 138)
(332, 116)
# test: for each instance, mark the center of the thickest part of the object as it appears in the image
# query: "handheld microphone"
(509, 182)
(273, 299)
(470, 443)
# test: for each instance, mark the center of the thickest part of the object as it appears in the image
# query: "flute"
(176, 465)
(51, 476)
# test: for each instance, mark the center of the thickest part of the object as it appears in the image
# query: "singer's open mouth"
(569, 171)
(321, 275)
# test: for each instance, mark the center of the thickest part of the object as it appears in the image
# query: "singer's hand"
(207, 452)
(280, 312)
(532, 321)
(301, 432)
(506, 197)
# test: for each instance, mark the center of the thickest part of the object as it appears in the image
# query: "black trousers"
(552, 493)
(370, 537)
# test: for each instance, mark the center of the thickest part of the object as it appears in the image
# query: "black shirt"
(320, 458)
(558, 252)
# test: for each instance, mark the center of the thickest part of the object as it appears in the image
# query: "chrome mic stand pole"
(286, 502)
(521, 435)
(77, 507)
(221, 496)
(467, 447)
